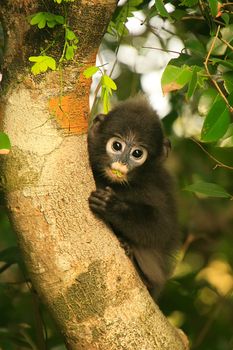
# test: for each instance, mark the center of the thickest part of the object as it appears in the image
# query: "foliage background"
(198, 298)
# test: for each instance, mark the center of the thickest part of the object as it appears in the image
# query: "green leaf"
(216, 122)
(59, 19)
(177, 14)
(213, 4)
(195, 45)
(70, 34)
(206, 101)
(50, 16)
(51, 63)
(174, 78)
(186, 60)
(227, 33)
(226, 18)
(69, 52)
(51, 24)
(36, 18)
(189, 3)
(162, 9)
(90, 71)
(228, 81)
(225, 63)
(220, 48)
(35, 58)
(107, 85)
(108, 82)
(42, 63)
(41, 19)
(105, 99)
(135, 2)
(5, 144)
(208, 189)
(227, 140)
(193, 83)
(42, 23)
(117, 25)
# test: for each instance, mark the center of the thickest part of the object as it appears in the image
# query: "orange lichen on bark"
(70, 112)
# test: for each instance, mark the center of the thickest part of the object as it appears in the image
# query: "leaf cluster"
(41, 19)
(71, 41)
(106, 84)
(117, 24)
(43, 62)
(204, 72)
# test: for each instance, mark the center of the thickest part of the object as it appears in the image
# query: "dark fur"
(142, 213)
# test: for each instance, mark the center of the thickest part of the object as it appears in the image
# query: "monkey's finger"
(96, 209)
(93, 200)
(109, 190)
(101, 195)
(128, 250)
(97, 205)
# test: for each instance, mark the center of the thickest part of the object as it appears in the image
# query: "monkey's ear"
(166, 148)
(99, 119)
(96, 123)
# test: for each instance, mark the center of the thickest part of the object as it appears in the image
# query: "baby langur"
(134, 192)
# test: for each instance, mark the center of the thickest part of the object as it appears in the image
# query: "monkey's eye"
(115, 145)
(138, 154)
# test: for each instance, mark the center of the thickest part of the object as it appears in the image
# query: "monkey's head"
(127, 142)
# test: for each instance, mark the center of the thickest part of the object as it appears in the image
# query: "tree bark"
(76, 265)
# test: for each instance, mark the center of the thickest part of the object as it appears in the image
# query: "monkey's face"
(126, 145)
(124, 154)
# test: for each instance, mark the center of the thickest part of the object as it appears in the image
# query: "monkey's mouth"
(117, 172)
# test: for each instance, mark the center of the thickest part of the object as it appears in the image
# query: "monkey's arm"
(130, 220)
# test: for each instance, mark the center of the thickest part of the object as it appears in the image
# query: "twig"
(200, 18)
(226, 43)
(208, 72)
(5, 267)
(161, 49)
(113, 67)
(218, 163)
(227, 4)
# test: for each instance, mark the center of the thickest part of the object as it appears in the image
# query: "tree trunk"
(76, 265)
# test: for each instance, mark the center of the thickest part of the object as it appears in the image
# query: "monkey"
(134, 192)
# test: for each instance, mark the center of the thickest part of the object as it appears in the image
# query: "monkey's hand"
(99, 200)
(127, 248)
(103, 202)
